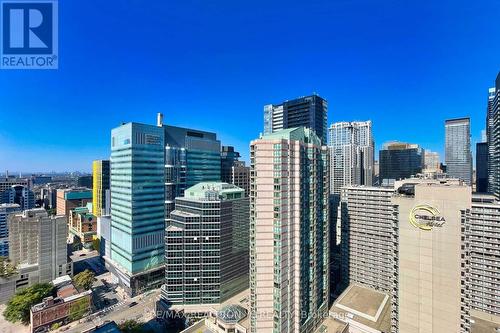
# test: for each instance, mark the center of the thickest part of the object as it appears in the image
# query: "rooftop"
(484, 326)
(365, 306)
(232, 314)
(65, 279)
(303, 134)
(213, 191)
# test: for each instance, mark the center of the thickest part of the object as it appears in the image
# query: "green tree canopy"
(18, 307)
(84, 280)
(7, 269)
(96, 244)
(131, 326)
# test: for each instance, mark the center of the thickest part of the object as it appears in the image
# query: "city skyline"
(360, 68)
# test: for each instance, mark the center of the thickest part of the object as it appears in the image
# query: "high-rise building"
(234, 171)
(310, 111)
(458, 155)
(100, 187)
(431, 161)
(482, 167)
(485, 257)
(240, 176)
(85, 181)
(365, 234)
(37, 245)
(412, 241)
(175, 176)
(191, 157)
(19, 194)
(431, 292)
(351, 154)
(48, 195)
(104, 235)
(206, 245)
(289, 231)
(399, 160)
(7, 182)
(440, 244)
(5, 210)
(493, 136)
(227, 158)
(68, 199)
(137, 206)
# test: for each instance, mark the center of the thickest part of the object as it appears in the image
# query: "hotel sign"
(426, 217)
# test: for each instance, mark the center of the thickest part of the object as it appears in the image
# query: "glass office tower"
(400, 160)
(100, 187)
(191, 157)
(310, 111)
(137, 206)
(458, 155)
(482, 167)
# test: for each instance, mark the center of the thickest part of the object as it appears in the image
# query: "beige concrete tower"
(430, 293)
(288, 232)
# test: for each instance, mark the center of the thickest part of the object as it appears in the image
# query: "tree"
(84, 280)
(7, 269)
(18, 307)
(130, 326)
(55, 326)
(96, 244)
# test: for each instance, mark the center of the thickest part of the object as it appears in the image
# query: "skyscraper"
(493, 135)
(399, 160)
(37, 245)
(100, 187)
(309, 111)
(413, 242)
(85, 181)
(228, 156)
(458, 155)
(351, 154)
(289, 222)
(191, 157)
(20, 195)
(240, 176)
(485, 256)
(7, 182)
(366, 236)
(431, 161)
(234, 171)
(137, 206)
(431, 292)
(482, 167)
(206, 245)
(5, 210)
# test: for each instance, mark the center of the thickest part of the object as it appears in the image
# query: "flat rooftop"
(332, 325)
(484, 326)
(363, 305)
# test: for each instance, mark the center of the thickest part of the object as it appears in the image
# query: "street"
(143, 312)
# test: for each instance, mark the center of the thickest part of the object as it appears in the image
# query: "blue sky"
(212, 65)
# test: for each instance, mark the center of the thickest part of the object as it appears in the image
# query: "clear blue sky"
(212, 65)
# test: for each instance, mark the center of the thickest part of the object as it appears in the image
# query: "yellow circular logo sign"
(426, 217)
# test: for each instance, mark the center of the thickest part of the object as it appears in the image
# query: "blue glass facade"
(137, 197)
(191, 157)
(5, 210)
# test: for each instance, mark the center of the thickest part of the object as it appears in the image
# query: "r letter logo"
(29, 38)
